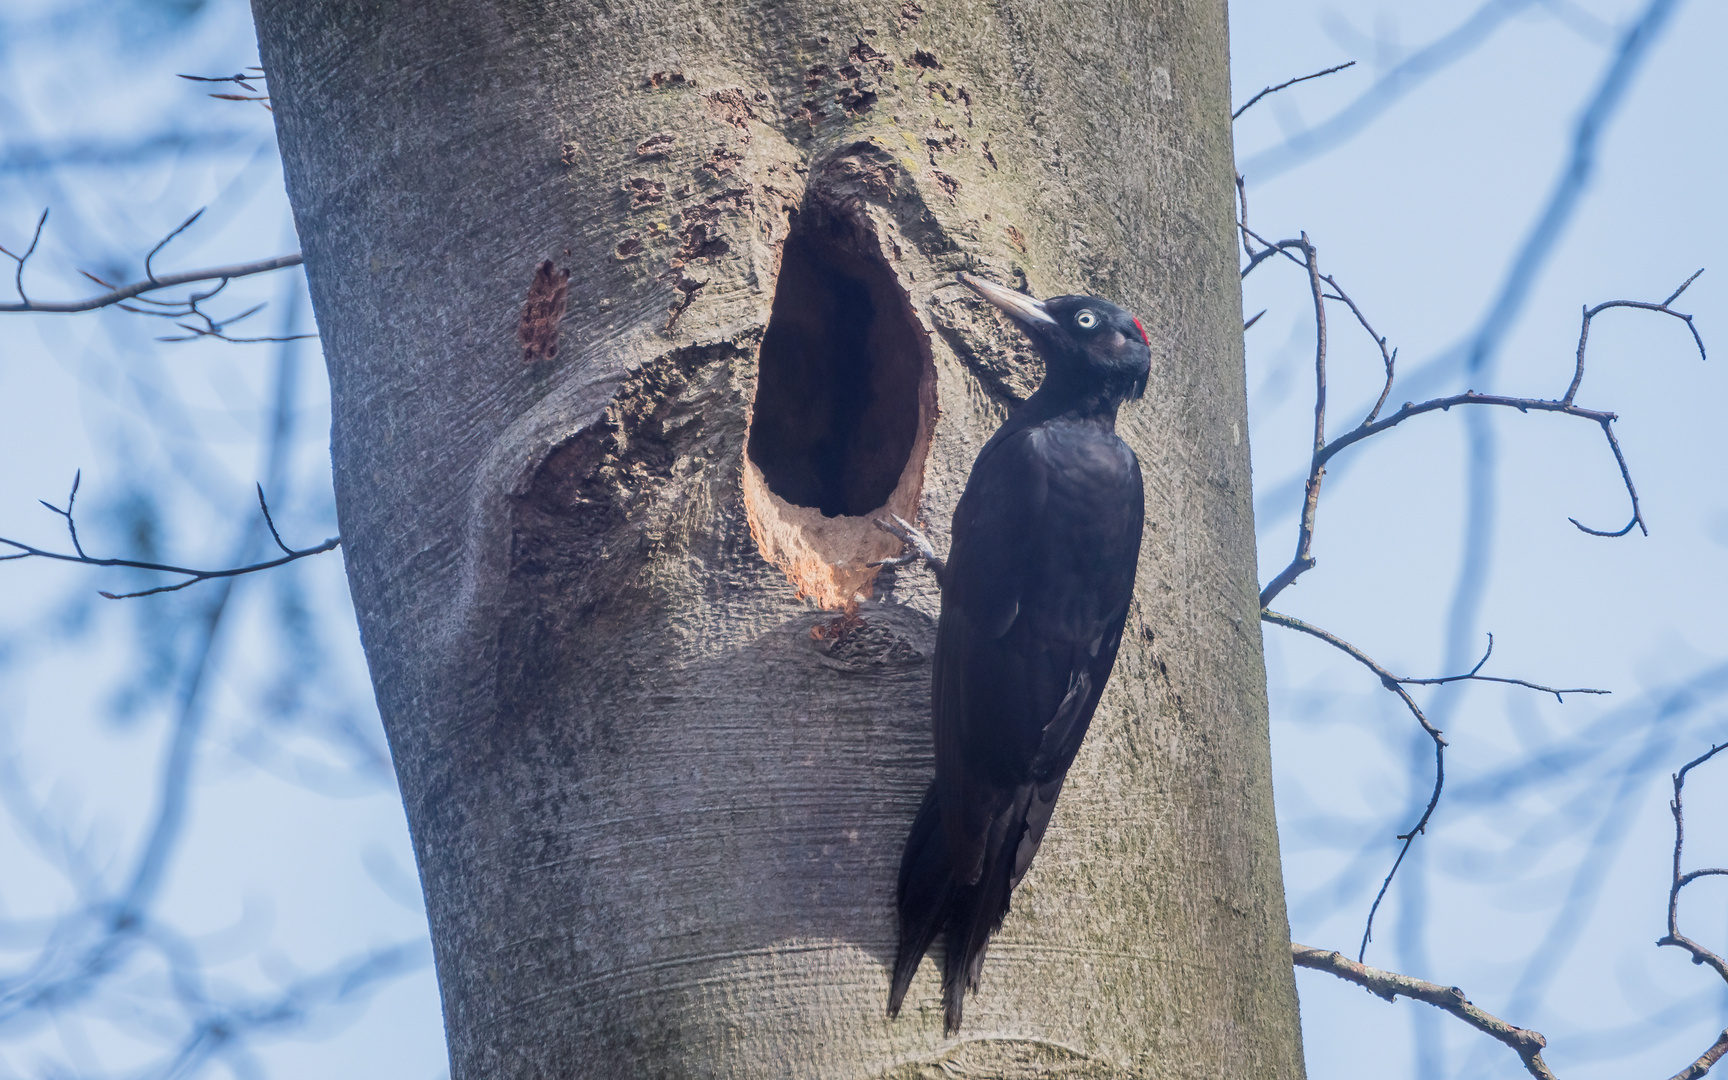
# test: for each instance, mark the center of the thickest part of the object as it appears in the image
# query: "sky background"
(286, 906)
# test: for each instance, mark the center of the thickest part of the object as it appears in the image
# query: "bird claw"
(921, 550)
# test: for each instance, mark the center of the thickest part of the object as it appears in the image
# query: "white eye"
(1087, 319)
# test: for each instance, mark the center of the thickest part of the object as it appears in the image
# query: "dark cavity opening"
(836, 410)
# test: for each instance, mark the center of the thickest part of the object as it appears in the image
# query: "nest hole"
(844, 407)
(837, 409)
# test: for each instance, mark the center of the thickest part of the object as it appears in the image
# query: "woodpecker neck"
(1054, 401)
(1080, 391)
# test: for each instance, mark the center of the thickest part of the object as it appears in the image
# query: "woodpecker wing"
(1046, 540)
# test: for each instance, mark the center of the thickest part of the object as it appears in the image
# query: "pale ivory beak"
(1020, 307)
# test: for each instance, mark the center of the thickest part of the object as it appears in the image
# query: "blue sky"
(1541, 883)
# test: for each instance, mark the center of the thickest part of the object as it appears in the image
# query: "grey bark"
(659, 729)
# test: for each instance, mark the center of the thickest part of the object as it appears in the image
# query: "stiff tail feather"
(931, 901)
(924, 895)
(977, 912)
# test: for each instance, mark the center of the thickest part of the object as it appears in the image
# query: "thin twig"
(35, 238)
(71, 523)
(1389, 359)
(286, 550)
(1527, 1044)
(1472, 676)
(184, 225)
(1471, 397)
(1304, 559)
(242, 80)
(1242, 218)
(213, 328)
(216, 329)
(1700, 954)
(193, 576)
(127, 292)
(1289, 82)
(1394, 684)
(1268, 250)
(1592, 312)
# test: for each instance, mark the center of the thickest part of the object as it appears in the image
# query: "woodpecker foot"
(920, 548)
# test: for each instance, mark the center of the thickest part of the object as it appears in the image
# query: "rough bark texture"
(658, 792)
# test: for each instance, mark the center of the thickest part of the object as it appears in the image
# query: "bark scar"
(730, 106)
(542, 312)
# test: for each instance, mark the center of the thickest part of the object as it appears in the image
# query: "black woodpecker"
(1035, 592)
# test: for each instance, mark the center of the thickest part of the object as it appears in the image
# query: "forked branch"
(1396, 684)
(1700, 954)
(193, 576)
(1527, 1044)
(197, 324)
(244, 80)
(1373, 424)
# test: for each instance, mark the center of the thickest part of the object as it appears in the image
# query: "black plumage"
(1035, 592)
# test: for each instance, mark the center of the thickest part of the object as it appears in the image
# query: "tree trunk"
(659, 727)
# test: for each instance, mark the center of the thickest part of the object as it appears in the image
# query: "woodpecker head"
(1091, 347)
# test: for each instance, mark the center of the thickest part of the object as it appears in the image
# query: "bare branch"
(286, 550)
(1389, 359)
(1289, 82)
(1324, 450)
(1472, 676)
(1268, 250)
(71, 524)
(193, 576)
(184, 225)
(1525, 405)
(137, 288)
(1242, 218)
(1304, 559)
(1527, 1044)
(215, 329)
(1700, 954)
(1394, 684)
(1592, 312)
(35, 238)
(242, 80)
(178, 309)
(1709, 1058)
